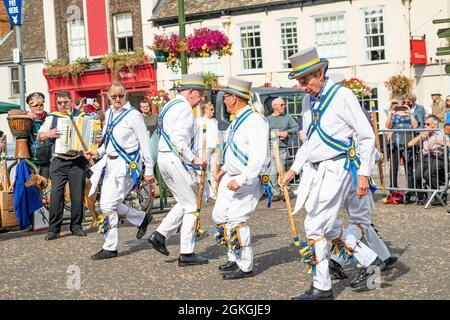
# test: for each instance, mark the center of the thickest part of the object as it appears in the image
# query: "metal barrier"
(425, 171)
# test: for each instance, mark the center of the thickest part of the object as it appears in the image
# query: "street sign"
(443, 33)
(14, 9)
(16, 55)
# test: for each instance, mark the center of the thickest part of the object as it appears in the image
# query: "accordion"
(69, 143)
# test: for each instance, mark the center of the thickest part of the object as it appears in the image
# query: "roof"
(166, 11)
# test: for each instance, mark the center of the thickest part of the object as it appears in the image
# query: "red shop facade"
(139, 83)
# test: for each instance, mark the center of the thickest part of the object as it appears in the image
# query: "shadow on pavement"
(266, 260)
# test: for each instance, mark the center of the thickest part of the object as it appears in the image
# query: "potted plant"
(61, 68)
(116, 61)
(359, 87)
(205, 42)
(399, 85)
(168, 49)
(210, 79)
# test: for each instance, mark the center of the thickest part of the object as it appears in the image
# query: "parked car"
(265, 96)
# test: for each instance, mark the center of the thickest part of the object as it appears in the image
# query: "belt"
(115, 157)
(338, 157)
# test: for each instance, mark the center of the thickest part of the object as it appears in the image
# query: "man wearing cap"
(438, 107)
(40, 152)
(245, 158)
(332, 116)
(176, 162)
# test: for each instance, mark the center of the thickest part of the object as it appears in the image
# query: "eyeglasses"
(38, 105)
(114, 97)
(61, 103)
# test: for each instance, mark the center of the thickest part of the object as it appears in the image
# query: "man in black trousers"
(64, 168)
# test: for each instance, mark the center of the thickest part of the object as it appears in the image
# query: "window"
(14, 86)
(374, 34)
(330, 36)
(77, 40)
(251, 51)
(289, 44)
(123, 30)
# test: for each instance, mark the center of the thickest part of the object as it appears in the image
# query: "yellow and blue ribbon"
(340, 248)
(103, 224)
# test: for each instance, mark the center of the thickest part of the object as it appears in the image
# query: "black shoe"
(104, 254)
(3, 230)
(364, 273)
(336, 270)
(315, 294)
(237, 274)
(143, 227)
(191, 260)
(410, 199)
(79, 233)
(158, 242)
(389, 262)
(422, 201)
(52, 236)
(228, 266)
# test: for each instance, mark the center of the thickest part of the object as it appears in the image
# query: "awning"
(5, 107)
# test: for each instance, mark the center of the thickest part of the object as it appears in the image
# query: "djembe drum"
(20, 124)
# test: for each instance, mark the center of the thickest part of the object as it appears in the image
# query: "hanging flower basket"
(399, 85)
(359, 87)
(205, 42)
(168, 49)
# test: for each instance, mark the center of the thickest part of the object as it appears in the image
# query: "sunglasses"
(63, 103)
(38, 105)
(120, 96)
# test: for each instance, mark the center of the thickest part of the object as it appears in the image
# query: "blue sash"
(166, 137)
(131, 161)
(352, 161)
(243, 158)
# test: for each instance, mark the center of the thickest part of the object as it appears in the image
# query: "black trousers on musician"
(61, 172)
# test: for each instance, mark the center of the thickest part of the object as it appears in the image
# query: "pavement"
(31, 268)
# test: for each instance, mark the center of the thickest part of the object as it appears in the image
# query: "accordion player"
(68, 142)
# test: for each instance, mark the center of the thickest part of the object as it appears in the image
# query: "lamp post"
(182, 29)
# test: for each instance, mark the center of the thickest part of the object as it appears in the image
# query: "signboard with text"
(14, 9)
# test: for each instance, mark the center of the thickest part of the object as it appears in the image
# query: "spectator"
(410, 99)
(92, 109)
(447, 106)
(64, 168)
(150, 119)
(430, 166)
(283, 122)
(212, 131)
(438, 106)
(40, 152)
(447, 117)
(401, 117)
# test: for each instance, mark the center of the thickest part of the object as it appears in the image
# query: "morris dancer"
(245, 156)
(331, 115)
(360, 228)
(176, 162)
(125, 138)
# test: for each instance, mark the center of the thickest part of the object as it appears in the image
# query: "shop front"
(94, 84)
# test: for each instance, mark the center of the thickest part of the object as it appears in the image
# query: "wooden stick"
(5, 176)
(218, 156)
(378, 146)
(201, 187)
(275, 139)
(83, 144)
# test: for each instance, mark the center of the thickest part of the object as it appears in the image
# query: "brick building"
(4, 24)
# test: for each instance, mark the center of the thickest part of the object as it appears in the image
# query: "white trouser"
(233, 209)
(329, 184)
(116, 185)
(359, 214)
(183, 184)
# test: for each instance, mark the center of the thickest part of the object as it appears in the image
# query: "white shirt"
(130, 133)
(343, 118)
(212, 131)
(179, 125)
(252, 138)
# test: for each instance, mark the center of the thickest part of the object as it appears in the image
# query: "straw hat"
(305, 62)
(191, 81)
(240, 88)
